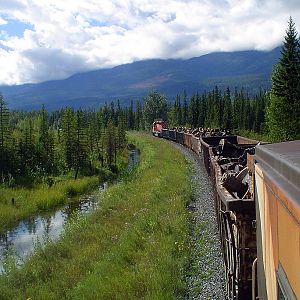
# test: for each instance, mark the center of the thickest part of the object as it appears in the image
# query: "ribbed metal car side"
(277, 197)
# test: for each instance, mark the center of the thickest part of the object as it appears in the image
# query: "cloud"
(66, 37)
(3, 21)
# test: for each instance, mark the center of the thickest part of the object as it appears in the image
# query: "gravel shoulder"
(205, 273)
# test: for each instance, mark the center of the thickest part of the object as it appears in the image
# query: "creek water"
(22, 240)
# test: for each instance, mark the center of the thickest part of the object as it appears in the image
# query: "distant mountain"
(248, 69)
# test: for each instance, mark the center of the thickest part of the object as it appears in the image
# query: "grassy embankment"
(134, 246)
(29, 201)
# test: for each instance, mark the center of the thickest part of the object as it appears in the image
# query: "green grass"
(30, 201)
(134, 246)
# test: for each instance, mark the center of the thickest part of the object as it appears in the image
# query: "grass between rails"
(133, 247)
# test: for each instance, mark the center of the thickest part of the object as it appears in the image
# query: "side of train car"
(258, 210)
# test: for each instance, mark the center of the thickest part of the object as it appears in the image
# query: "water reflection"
(38, 230)
(133, 159)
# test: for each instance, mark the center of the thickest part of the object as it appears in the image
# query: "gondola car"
(235, 209)
(172, 134)
(180, 136)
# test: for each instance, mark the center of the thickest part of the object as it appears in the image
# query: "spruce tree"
(138, 116)
(110, 144)
(4, 138)
(284, 109)
(227, 113)
(69, 137)
(46, 143)
(130, 122)
(185, 109)
(80, 142)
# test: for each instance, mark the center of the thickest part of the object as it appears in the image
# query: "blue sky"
(52, 39)
(14, 27)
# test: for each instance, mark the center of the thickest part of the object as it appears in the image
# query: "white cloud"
(2, 21)
(74, 36)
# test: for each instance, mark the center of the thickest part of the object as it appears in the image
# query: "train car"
(235, 209)
(180, 137)
(165, 133)
(277, 198)
(187, 140)
(172, 134)
(157, 127)
(208, 142)
(195, 144)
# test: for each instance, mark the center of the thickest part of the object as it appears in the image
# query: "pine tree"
(121, 134)
(185, 109)
(284, 109)
(110, 144)
(27, 148)
(227, 112)
(68, 137)
(193, 112)
(80, 142)
(138, 117)
(130, 116)
(92, 135)
(202, 110)
(5, 156)
(217, 99)
(45, 144)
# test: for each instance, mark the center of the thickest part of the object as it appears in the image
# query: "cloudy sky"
(53, 39)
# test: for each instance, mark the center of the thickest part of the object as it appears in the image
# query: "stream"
(38, 230)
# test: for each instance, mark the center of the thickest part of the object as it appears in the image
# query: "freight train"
(257, 203)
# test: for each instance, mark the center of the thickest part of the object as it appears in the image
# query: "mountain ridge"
(250, 69)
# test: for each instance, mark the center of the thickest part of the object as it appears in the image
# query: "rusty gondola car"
(180, 136)
(258, 211)
(235, 209)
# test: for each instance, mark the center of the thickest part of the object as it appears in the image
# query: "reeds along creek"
(18, 243)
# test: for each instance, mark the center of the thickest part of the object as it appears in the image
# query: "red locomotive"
(158, 126)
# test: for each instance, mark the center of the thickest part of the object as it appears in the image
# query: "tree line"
(217, 109)
(38, 144)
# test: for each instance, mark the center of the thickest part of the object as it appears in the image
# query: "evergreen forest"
(38, 144)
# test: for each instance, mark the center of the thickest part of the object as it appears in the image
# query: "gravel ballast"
(205, 274)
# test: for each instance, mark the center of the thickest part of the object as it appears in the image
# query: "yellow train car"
(277, 199)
